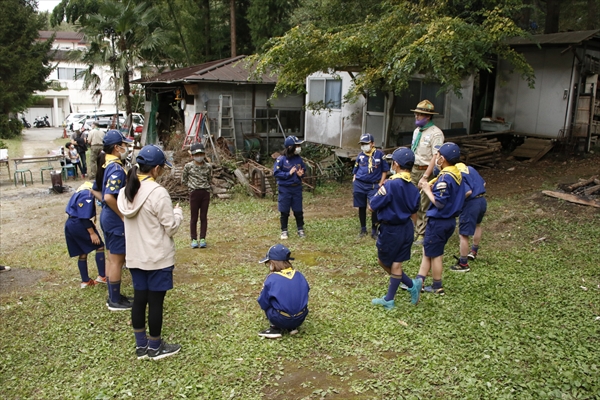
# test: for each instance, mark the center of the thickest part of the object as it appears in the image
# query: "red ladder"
(194, 133)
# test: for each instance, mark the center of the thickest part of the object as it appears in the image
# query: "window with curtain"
(328, 91)
(69, 74)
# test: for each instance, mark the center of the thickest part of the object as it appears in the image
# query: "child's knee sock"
(83, 269)
(101, 263)
(393, 287)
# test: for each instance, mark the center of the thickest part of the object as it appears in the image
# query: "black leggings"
(284, 218)
(362, 217)
(155, 301)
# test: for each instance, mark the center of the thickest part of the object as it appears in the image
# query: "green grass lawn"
(518, 326)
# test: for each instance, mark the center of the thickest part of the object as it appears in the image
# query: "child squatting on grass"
(197, 175)
(396, 204)
(447, 195)
(284, 296)
(82, 236)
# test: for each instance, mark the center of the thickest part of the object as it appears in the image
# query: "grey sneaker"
(123, 304)
(164, 350)
(301, 233)
(284, 235)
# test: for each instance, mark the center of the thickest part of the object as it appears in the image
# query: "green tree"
(443, 41)
(24, 61)
(269, 18)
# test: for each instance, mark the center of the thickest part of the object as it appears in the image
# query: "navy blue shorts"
(394, 243)
(363, 192)
(283, 322)
(115, 242)
(159, 280)
(437, 233)
(290, 197)
(471, 215)
(78, 238)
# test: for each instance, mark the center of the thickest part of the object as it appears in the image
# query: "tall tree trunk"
(592, 15)
(127, 91)
(178, 27)
(552, 14)
(206, 17)
(233, 32)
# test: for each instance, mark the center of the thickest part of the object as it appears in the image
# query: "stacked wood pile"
(585, 192)
(479, 151)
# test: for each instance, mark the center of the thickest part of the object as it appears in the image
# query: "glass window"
(333, 94)
(417, 91)
(266, 120)
(69, 74)
(376, 101)
(316, 90)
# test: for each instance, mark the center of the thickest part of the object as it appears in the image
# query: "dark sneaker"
(472, 255)
(123, 304)
(164, 350)
(301, 233)
(271, 333)
(415, 291)
(4, 268)
(141, 352)
(362, 234)
(460, 267)
(430, 289)
(374, 233)
(381, 301)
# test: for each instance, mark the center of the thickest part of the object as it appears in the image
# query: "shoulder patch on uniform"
(88, 201)
(441, 185)
(382, 191)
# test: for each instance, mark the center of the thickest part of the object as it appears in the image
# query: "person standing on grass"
(80, 143)
(284, 296)
(73, 155)
(396, 204)
(110, 178)
(447, 196)
(469, 221)
(427, 138)
(368, 174)
(94, 139)
(288, 170)
(197, 176)
(81, 234)
(151, 221)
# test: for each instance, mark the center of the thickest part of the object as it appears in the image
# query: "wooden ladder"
(226, 121)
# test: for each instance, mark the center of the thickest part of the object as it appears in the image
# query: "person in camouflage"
(197, 175)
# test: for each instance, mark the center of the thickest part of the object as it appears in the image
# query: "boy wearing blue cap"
(284, 296)
(110, 178)
(469, 221)
(151, 221)
(288, 171)
(447, 196)
(368, 174)
(396, 204)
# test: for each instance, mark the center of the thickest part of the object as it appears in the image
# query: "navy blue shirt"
(369, 169)
(82, 205)
(449, 193)
(285, 291)
(472, 180)
(396, 200)
(114, 179)
(282, 167)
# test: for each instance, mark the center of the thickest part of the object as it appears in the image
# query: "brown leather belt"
(421, 167)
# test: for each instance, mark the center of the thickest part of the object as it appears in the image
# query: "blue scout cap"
(450, 151)
(152, 155)
(291, 141)
(197, 148)
(366, 138)
(277, 252)
(114, 136)
(404, 156)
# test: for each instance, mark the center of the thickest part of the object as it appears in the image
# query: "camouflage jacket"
(197, 176)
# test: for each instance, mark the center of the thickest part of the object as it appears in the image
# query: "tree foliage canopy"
(440, 40)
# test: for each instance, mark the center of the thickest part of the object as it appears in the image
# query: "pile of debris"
(479, 151)
(585, 192)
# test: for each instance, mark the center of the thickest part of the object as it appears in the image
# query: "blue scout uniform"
(284, 298)
(290, 186)
(81, 209)
(395, 202)
(368, 170)
(449, 194)
(112, 225)
(475, 205)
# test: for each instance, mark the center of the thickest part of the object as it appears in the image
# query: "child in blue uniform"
(81, 234)
(369, 173)
(396, 204)
(288, 170)
(469, 221)
(110, 178)
(284, 296)
(447, 195)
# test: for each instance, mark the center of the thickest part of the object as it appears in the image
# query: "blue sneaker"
(388, 305)
(202, 243)
(194, 244)
(415, 291)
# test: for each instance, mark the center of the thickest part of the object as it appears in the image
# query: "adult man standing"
(80, 142)
(94, 139)
(427, 139)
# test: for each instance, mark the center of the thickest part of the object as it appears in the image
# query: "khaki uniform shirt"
(431, 140)
(95, 137)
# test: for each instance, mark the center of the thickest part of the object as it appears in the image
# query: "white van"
(73, 117)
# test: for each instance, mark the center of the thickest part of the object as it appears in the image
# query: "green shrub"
(9, 128)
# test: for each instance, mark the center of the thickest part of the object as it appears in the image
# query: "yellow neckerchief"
(286, 273)
(142, 177)
(109, 159)
(449, 170)
(462, 168)
(85, 186)
(402, 175)
(370, 155)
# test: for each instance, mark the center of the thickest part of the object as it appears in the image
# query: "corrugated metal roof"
(61, 35)
(226, 70)
(561, 38)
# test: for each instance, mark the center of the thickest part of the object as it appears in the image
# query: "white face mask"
(439, 162)
(124, 154)
(199, 159)
(298, 150)
(365, 147)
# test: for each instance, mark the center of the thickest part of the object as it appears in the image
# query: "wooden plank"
(582, 183)
(542, 153)
(571, 198)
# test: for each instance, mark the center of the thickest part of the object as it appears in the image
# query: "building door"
(375, 117)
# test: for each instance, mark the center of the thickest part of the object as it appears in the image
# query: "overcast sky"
(47, 5)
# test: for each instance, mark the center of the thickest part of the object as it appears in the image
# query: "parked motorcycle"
(41, 122)
(26, 124)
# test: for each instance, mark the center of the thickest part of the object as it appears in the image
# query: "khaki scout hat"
(425, 107)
